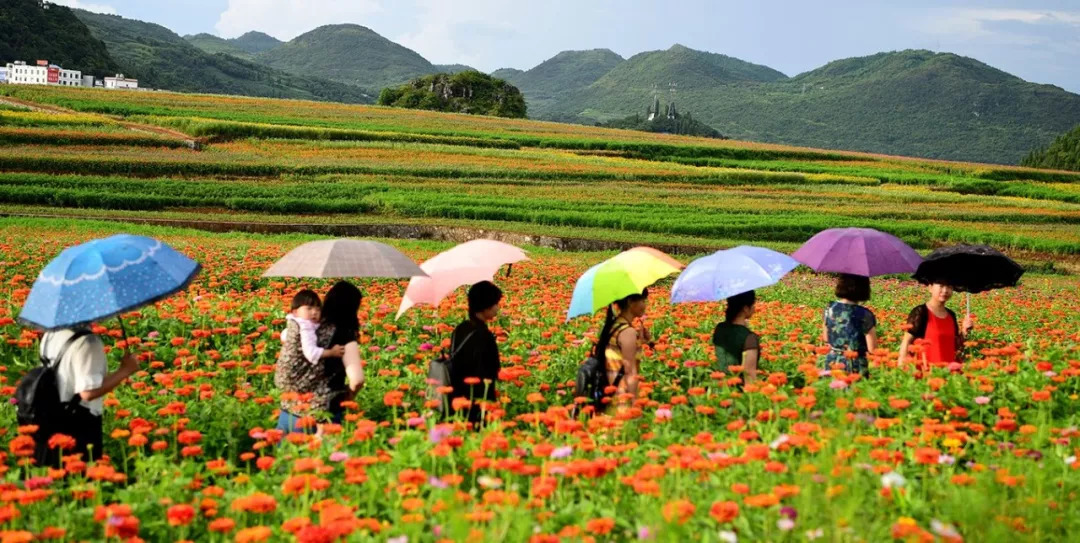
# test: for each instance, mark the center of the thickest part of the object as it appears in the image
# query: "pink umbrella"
(468, 263)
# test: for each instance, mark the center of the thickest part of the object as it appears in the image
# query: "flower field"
(985, 453)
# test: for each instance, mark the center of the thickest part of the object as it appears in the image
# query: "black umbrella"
(969, 268)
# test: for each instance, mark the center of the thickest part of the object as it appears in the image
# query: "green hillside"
(30, 33)
(255, 42)
(161, 59)
(561, 77)
(214, 45)
(350, 54)
(915, 103)
(453, 68)
(1062, 154)
(466, 92)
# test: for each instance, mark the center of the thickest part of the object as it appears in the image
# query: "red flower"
(724, 512)
(180, 515)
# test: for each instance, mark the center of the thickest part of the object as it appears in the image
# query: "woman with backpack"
(475, 362)
(735, 344)
(619, 346)
(939, 329)
(82, 380)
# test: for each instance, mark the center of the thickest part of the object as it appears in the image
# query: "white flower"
(785, 524)
(1070, 460)
(893, 480)
(728, 537)
(942, 529)
(779, 441)
(488, 482)
(814, 534)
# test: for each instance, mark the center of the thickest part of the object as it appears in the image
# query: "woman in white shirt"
(83, 380)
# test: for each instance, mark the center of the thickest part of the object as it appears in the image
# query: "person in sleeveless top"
(937, 326)
(849, 328)
(478, 352)
(736, 345)
(619, 345)
(83, 373)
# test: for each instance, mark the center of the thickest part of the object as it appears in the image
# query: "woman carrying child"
(299, 372)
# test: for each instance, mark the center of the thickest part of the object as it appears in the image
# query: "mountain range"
(912, 102)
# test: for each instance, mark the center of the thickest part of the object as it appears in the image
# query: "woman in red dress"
(937, 326)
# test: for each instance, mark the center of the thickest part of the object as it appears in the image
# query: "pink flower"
(982, 400)
(415, 421)
(838, 384)
(339, 456)
(562, 452)
(153, 334)
(663, 413)
(426, 346)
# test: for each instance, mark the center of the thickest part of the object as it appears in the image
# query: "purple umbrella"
(857, 251)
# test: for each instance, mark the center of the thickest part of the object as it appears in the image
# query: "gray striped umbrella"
(334, 258)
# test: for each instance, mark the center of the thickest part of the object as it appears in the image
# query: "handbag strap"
(455, 350)
(75, 336)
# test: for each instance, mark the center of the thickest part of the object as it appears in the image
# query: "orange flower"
(678, 511)
(254, 534)
(222, 525)
(600, 526)
(927, 455)
(724, 512)
(62, 442)
(180, 515)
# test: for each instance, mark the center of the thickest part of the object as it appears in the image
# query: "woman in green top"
(735, 344)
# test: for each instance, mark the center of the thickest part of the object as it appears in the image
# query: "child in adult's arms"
(941, 333)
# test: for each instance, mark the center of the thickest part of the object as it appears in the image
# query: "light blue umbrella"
(733, 271)
(103, 278)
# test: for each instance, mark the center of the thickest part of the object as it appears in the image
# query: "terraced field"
(83, 153)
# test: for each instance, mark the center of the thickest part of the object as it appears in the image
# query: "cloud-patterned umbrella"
(103, 278)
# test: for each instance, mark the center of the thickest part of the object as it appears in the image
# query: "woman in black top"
(339, 326)
(475, 367)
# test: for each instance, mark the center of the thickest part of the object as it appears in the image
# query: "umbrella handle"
(509, 268)
(120, 320)
(969, 303)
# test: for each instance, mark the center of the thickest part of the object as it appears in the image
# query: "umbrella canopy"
(344, 258)
(626, 273)
(103, 278)
(857, 251)
(733, 271)
(468, 263)
(969, 268)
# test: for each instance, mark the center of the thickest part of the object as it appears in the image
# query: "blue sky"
(1038, 40)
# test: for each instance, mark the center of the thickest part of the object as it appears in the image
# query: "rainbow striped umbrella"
(626, 273)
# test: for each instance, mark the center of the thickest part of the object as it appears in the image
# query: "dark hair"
(341, 305)
(305, 297)
(853, 287)
(482, 296)
(600, 349)
(736, 303)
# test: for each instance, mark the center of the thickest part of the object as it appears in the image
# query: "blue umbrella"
(103, 278)
(733, 271)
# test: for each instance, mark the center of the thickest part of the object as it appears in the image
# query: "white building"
(66, 78)
(121, 82)
(21, 73)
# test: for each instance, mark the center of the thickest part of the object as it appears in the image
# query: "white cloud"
(971, 23)
(447, 32)
(88, 6)
(286, 19)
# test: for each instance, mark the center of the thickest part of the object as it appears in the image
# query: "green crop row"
(218, 130)
(21, 136)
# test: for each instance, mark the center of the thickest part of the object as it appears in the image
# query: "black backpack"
(592, 379)
(37, 398)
